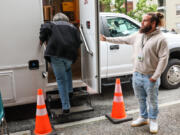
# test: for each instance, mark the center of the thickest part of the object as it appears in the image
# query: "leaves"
(142, 7)
(119, 6)
(107, 5)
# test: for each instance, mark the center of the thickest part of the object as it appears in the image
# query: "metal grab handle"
(44, 47)
(84, 40)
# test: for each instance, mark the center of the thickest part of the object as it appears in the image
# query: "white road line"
(169, 104)
(80, 122)
(27, 132)
(103, 117)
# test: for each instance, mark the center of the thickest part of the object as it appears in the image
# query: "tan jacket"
(152, 48)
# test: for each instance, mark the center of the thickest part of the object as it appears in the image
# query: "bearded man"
(150, 58)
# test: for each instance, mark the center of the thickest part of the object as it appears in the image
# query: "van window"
(121, 27)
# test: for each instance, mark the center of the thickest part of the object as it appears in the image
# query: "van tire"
(170, 79)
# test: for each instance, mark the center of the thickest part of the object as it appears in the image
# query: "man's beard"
(145, 29)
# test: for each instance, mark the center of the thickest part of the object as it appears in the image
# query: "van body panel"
(7, 86)
(20, 24)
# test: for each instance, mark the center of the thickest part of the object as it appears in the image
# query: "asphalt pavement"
(169, 124)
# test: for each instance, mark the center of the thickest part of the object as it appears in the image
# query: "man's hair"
(158, 18)
(60, 17)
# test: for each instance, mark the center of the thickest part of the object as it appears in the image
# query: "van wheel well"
(175, 55)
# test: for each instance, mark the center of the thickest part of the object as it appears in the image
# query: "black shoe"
(66, 111)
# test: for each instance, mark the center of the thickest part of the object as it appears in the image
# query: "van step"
(76, 94)
(74, 110)
(113, 83)
(80, 102)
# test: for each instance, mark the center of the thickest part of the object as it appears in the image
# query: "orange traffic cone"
(118, 114)
(42, 125)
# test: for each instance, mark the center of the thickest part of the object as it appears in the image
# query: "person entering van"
(150, 58)
(63, 40)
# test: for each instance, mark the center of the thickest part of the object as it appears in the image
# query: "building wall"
(129, 6)
(172, 19)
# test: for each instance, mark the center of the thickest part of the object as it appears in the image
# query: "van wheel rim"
(173, 75)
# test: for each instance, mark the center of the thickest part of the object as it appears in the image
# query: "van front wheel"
(170, 79)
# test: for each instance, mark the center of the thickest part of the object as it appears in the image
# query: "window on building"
(161, 2)
(178, 9)
(178, 26)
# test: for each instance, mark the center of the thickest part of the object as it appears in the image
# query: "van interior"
(71, 9)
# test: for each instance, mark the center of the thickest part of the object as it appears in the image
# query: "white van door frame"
(90, 57)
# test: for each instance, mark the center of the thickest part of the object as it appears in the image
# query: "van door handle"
(114, 47)
(85, 42)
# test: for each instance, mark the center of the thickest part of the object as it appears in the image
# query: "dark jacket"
(62, 38)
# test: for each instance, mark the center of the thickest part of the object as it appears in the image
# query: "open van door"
(89, 28)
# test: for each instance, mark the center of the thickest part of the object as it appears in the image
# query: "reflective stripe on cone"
(41, 112)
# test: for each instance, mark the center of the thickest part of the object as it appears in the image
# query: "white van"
(22, 66)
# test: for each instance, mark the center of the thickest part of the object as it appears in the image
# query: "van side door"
(89, 27)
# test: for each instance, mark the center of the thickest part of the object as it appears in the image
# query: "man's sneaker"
(153, 125)
(139, 122)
